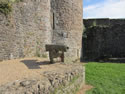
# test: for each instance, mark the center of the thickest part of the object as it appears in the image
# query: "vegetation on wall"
(84, 33)
(6, 6)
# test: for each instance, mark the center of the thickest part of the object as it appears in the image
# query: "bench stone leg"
(62, 57)
(51, 58)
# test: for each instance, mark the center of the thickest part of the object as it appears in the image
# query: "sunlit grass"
(107, 78)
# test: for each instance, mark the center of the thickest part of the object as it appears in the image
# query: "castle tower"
(67, 25)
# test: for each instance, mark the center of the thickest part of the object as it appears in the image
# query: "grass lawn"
(106, 78)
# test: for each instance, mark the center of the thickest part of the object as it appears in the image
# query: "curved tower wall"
(67, 25)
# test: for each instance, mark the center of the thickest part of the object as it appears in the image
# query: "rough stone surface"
(104, 38)
(68, 25)
(26, 30)
(34, 23)
(64, 81)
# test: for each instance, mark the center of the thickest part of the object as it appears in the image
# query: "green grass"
(107, 78)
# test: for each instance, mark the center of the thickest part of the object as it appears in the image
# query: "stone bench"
(56, 51)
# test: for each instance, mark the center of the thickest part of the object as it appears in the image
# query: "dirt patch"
(84, 89)
(12, 70)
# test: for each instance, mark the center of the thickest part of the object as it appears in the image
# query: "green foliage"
(84, 33)
(6, 6)
(106, 78)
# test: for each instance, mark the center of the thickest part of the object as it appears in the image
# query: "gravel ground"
(18, 69)
(12, 70)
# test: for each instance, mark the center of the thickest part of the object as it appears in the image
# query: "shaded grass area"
(107, 78)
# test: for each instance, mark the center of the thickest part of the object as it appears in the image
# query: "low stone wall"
(54, 82)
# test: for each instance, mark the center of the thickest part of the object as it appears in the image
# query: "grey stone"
(34, 23)
(104, 40)
(54, 82)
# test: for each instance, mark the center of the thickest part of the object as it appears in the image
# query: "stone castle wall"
(104, 38)
(34, 23)
(26, 30)
(68, 25)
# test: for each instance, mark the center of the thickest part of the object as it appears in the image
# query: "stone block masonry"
(65, 81)
(32, 24)
(68, 25)
(25, 31)
(103, 39)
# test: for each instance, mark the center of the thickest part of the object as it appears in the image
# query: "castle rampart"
(104, 38)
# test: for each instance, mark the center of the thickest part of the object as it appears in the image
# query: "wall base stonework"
(65, 81)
